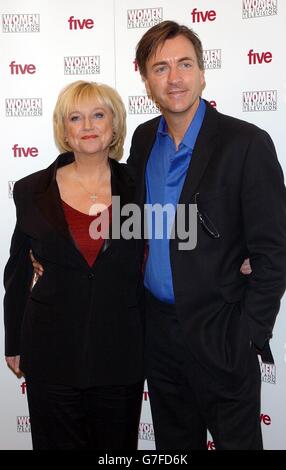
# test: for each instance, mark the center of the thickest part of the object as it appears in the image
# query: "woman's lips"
(86, 137)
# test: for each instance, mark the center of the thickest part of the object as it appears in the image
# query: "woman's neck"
(92, 168)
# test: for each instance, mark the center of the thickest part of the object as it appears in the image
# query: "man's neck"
(178, 123)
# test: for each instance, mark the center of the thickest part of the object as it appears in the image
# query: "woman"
(77, 335)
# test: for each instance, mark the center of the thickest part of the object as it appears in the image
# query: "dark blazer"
(237, 182)
(79, 325)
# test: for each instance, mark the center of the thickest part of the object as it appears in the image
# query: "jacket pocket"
(208, 196)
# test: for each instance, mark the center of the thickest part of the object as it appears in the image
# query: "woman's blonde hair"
(80, 91)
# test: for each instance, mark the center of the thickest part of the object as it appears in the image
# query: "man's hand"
(13, 363)
(38, 268)
(246, 267)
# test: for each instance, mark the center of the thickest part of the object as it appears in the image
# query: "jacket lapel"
(146, 143)
(48, 198)
(122, 186)
(204, 148)
(121, 183)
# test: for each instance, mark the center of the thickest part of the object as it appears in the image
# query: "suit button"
(91, 276)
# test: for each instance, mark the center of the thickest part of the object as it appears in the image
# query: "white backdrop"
(45, 45)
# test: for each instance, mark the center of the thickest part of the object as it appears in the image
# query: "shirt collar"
(191, 134)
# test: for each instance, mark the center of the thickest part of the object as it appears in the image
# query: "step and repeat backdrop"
(45, 45)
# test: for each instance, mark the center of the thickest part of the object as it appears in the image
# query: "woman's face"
(89, 129)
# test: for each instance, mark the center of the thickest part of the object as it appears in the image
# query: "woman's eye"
(99, 115)
(74, 118)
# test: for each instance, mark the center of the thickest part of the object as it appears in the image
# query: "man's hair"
(158, 34)
(82, 91)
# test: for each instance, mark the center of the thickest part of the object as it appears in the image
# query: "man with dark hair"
(205, 321)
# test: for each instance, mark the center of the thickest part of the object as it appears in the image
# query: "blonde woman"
(77, 335)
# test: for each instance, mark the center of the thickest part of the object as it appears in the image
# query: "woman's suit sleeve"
(17, 280)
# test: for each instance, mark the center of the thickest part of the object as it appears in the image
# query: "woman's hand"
(13, 363)
(246, 267)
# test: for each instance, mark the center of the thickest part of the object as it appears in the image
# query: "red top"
(83, 228)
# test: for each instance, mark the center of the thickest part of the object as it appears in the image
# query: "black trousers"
(98, 418)
(186, 400)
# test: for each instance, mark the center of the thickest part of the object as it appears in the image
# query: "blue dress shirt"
(165, 175)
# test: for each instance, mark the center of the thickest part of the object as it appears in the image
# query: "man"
(205, 321)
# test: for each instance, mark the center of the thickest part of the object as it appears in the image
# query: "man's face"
(174, 79)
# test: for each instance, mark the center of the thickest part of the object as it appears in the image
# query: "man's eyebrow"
(191, 59)
(181, 59)
(162, 62)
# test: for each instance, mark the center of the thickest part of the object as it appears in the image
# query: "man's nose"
(174, 75)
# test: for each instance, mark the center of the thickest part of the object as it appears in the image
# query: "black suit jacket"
(236, 180)
(79, 325)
